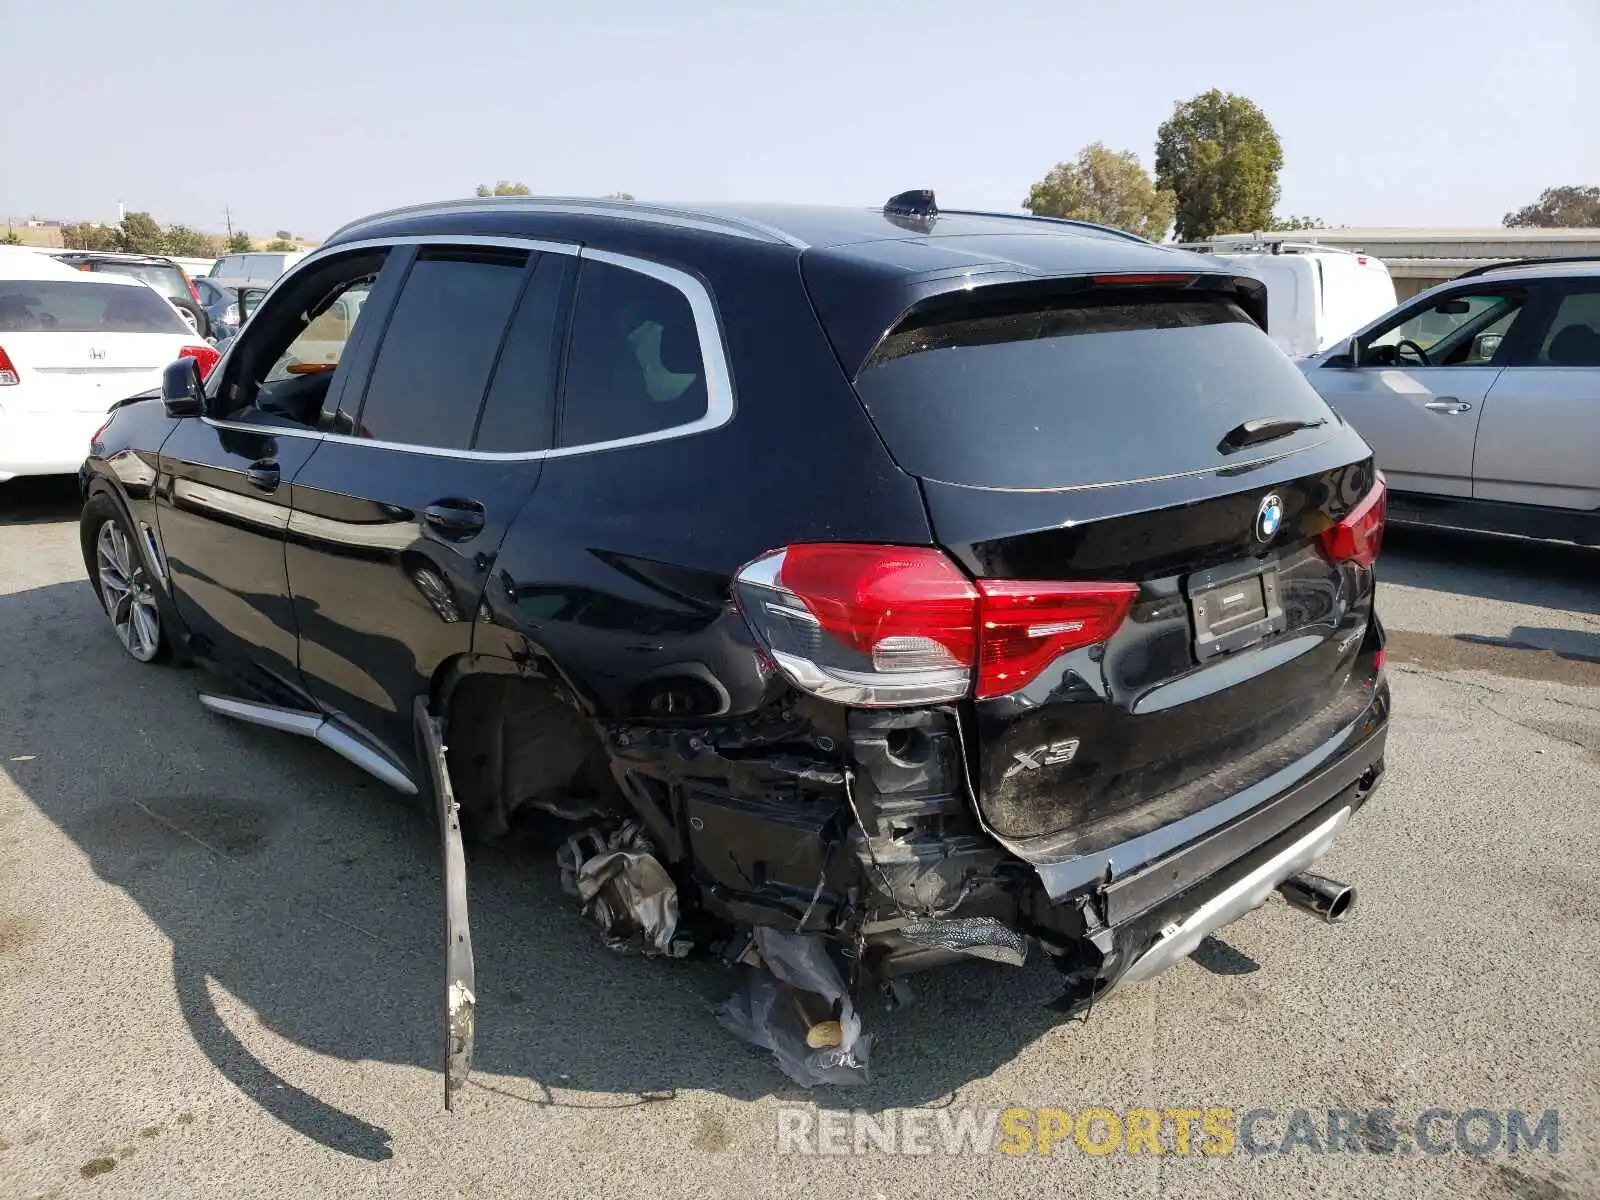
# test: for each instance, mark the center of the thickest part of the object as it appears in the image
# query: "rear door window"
(519, 410)
(68, 306)
(1573, 336)
(1080, 395)
(633, 358)
(440, 347)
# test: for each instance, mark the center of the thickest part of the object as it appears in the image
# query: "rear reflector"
(886, 626)
(8, 370)
(206, 356)
(1359, 537)
(194, 292)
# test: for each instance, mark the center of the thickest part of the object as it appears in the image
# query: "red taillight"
(8, 370)
(1026, 626)
(1380, 658)
(1359, 536)
(882, 626)
(194, 292)
(206, 356)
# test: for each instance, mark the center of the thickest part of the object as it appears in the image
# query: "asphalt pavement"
(220, 961)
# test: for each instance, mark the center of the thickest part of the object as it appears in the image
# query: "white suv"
(1481, 399)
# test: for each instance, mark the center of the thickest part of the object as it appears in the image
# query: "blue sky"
(303, 115)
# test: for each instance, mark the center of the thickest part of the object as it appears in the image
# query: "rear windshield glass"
(166, 280)
(67, 306)
(1074, 396)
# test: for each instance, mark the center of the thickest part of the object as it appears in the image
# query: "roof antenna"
(915, 203)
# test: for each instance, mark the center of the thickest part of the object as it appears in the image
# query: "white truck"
(1316, 295)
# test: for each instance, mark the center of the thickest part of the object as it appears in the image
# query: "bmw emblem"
(1268, 517)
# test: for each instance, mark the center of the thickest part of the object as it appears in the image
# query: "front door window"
(1463, 329)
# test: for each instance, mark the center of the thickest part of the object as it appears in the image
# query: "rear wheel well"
(516, 743)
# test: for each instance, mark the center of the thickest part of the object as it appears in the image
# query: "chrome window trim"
(708, 329)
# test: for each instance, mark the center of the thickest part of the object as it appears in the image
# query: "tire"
(121, 579)
(202, 320)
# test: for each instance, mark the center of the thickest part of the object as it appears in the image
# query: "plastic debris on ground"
(797, 1006)
(625, 889)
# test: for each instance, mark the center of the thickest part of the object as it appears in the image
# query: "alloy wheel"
(125, 590)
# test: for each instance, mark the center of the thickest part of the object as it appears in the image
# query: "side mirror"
(182, 393)
(1348, 355)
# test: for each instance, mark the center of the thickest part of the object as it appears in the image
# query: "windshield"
(1080, 395)
(68, 306)
(166, 280)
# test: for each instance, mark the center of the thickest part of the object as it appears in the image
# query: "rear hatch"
(1172, 531)
(80, 346)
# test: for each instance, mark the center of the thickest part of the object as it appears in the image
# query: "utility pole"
(227, 215)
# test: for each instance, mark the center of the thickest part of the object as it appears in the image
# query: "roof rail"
(638, 210)
(1024, 216)
(1527, 262)
(1272, 243)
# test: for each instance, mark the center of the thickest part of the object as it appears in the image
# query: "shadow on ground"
(1552, 576)
(311, 894)
(37, 500)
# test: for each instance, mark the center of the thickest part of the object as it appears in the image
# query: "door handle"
(263, 474)
(1448, 405)
(456, 520)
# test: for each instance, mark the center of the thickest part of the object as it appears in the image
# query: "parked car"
(1317, 296)
(258, 266)
(71, 346)
(166, 276)
(921, 584)
(1480, 398)
(227, 307)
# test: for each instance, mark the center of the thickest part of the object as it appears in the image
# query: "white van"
(255, 267)
(1316, 296)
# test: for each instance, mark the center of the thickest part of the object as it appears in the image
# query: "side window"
(633, 358)
(519, 410)
(320, 345)
(440, 346)
(282, 366)
(1462, 329)
(1573, 339)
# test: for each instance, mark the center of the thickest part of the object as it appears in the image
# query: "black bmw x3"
(936, 583)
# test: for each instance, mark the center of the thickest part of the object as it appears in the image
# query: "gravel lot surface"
(219, 954)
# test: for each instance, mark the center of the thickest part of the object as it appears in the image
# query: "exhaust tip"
(1320, 896)
(1341, 906)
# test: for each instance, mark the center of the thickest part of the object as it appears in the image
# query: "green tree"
(504, 188)
(139, 234)
(1105, 186)
(186, 242)
(1292, 224)
(240, 243)
(1220, 156)
(87, 236)
(619, 196)
(283, 235)
(1559, 208)
(281, 244)
(11, 238)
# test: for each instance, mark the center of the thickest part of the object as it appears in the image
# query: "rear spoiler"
(858, 311)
